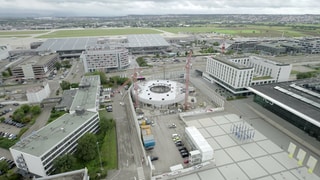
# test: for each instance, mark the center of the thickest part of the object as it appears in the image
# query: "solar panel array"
(301, 98)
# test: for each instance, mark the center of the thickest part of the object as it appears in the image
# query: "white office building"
(238, 73)
(4, 51)
(37, 94)
(35, 153)
(104, 58)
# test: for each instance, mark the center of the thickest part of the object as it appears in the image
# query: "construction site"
(187, 130)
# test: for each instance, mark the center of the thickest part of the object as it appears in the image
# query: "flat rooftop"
(38, 60)
(86, 96)
(229, 63)
(67, 44)
(146, 40)
(71, 44)
(67, 98)
(292, 98)
(41, 141)
(241, 158)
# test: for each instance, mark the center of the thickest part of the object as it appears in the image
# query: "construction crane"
(187, 81)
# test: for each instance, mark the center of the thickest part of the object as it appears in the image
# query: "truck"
(147, 137)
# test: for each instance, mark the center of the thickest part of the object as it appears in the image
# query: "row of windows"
(230, 75)
(71, 145)
(71, 136)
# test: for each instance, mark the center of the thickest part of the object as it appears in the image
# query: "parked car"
(109, 108)
(16, 104)
(179, 143)
(184, 154)
(154, 158)
(172, 125)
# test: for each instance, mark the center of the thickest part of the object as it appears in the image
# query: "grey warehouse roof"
(304, 102)
(67, 44)
(146, 40)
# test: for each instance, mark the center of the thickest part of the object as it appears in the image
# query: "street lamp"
(99, 156)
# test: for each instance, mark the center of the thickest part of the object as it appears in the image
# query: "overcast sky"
(125, 7)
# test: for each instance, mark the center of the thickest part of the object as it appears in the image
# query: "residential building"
(37, 94)
(35, 153)
(35, 67)
(104, 58)
(237, 74)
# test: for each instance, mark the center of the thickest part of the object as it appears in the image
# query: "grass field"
(14, 33)
(246, 30)
(98, 32)
(11, 36)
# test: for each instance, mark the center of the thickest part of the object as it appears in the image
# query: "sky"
(142, 7)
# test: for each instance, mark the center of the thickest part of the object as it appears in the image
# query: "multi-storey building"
(35, 67)
(4, 51)
(238, 73)
(104, 58)
(35, 153)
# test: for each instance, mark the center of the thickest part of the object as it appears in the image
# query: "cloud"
(125, 7)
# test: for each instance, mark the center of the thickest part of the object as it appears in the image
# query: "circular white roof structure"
(160, 92)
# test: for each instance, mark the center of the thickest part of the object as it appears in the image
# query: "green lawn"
(12, 33)
(261, 78)
(245, 30)
(18, 36)
(108, 152)
(98, 32)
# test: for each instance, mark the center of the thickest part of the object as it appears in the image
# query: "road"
(129, 149)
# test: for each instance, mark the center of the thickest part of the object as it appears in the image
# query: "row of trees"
(66, 64)
(86, 149)
(65, 85)
(304, 75)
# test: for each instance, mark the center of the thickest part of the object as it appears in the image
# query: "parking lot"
(7, 128)
(165, 148)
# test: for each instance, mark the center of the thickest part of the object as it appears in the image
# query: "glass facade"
(297, 121)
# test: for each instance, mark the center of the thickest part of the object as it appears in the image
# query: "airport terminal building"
(35, 153)
(298, 102)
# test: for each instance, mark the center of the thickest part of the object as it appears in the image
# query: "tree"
(64, 163)
(57, 65)
(5, 74)
(35, 110)
(74, 85)
(65, 85)
(87, 148)
(216, 44)
(25, 108)
(304, 75)
(4, 166)
(18, 115)
(9, 71)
